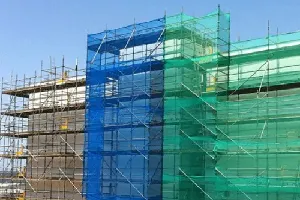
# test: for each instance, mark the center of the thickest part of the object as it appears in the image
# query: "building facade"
(169, 109)
(42, 125)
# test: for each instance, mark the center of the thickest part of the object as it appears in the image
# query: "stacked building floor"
(42, 134)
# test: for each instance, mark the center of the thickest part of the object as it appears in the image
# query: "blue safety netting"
(124, 113)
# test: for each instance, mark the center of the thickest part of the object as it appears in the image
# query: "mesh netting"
(176, 112)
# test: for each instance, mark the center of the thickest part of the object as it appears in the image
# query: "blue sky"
(33, 30)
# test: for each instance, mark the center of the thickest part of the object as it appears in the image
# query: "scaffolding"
(175, 110)
(196, 62)
(124, 116)
(168, 109)
(42, 126)
(148, 85)
(259, 158)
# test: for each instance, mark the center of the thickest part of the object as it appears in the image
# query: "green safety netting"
(231, 113)
(195, 59)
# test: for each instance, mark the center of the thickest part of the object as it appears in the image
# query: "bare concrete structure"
(42, 137)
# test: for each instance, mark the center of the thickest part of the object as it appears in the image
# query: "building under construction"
(168, 109)
(42, 134)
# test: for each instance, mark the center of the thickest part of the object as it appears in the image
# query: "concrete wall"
(55, 121)
(47, 174)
